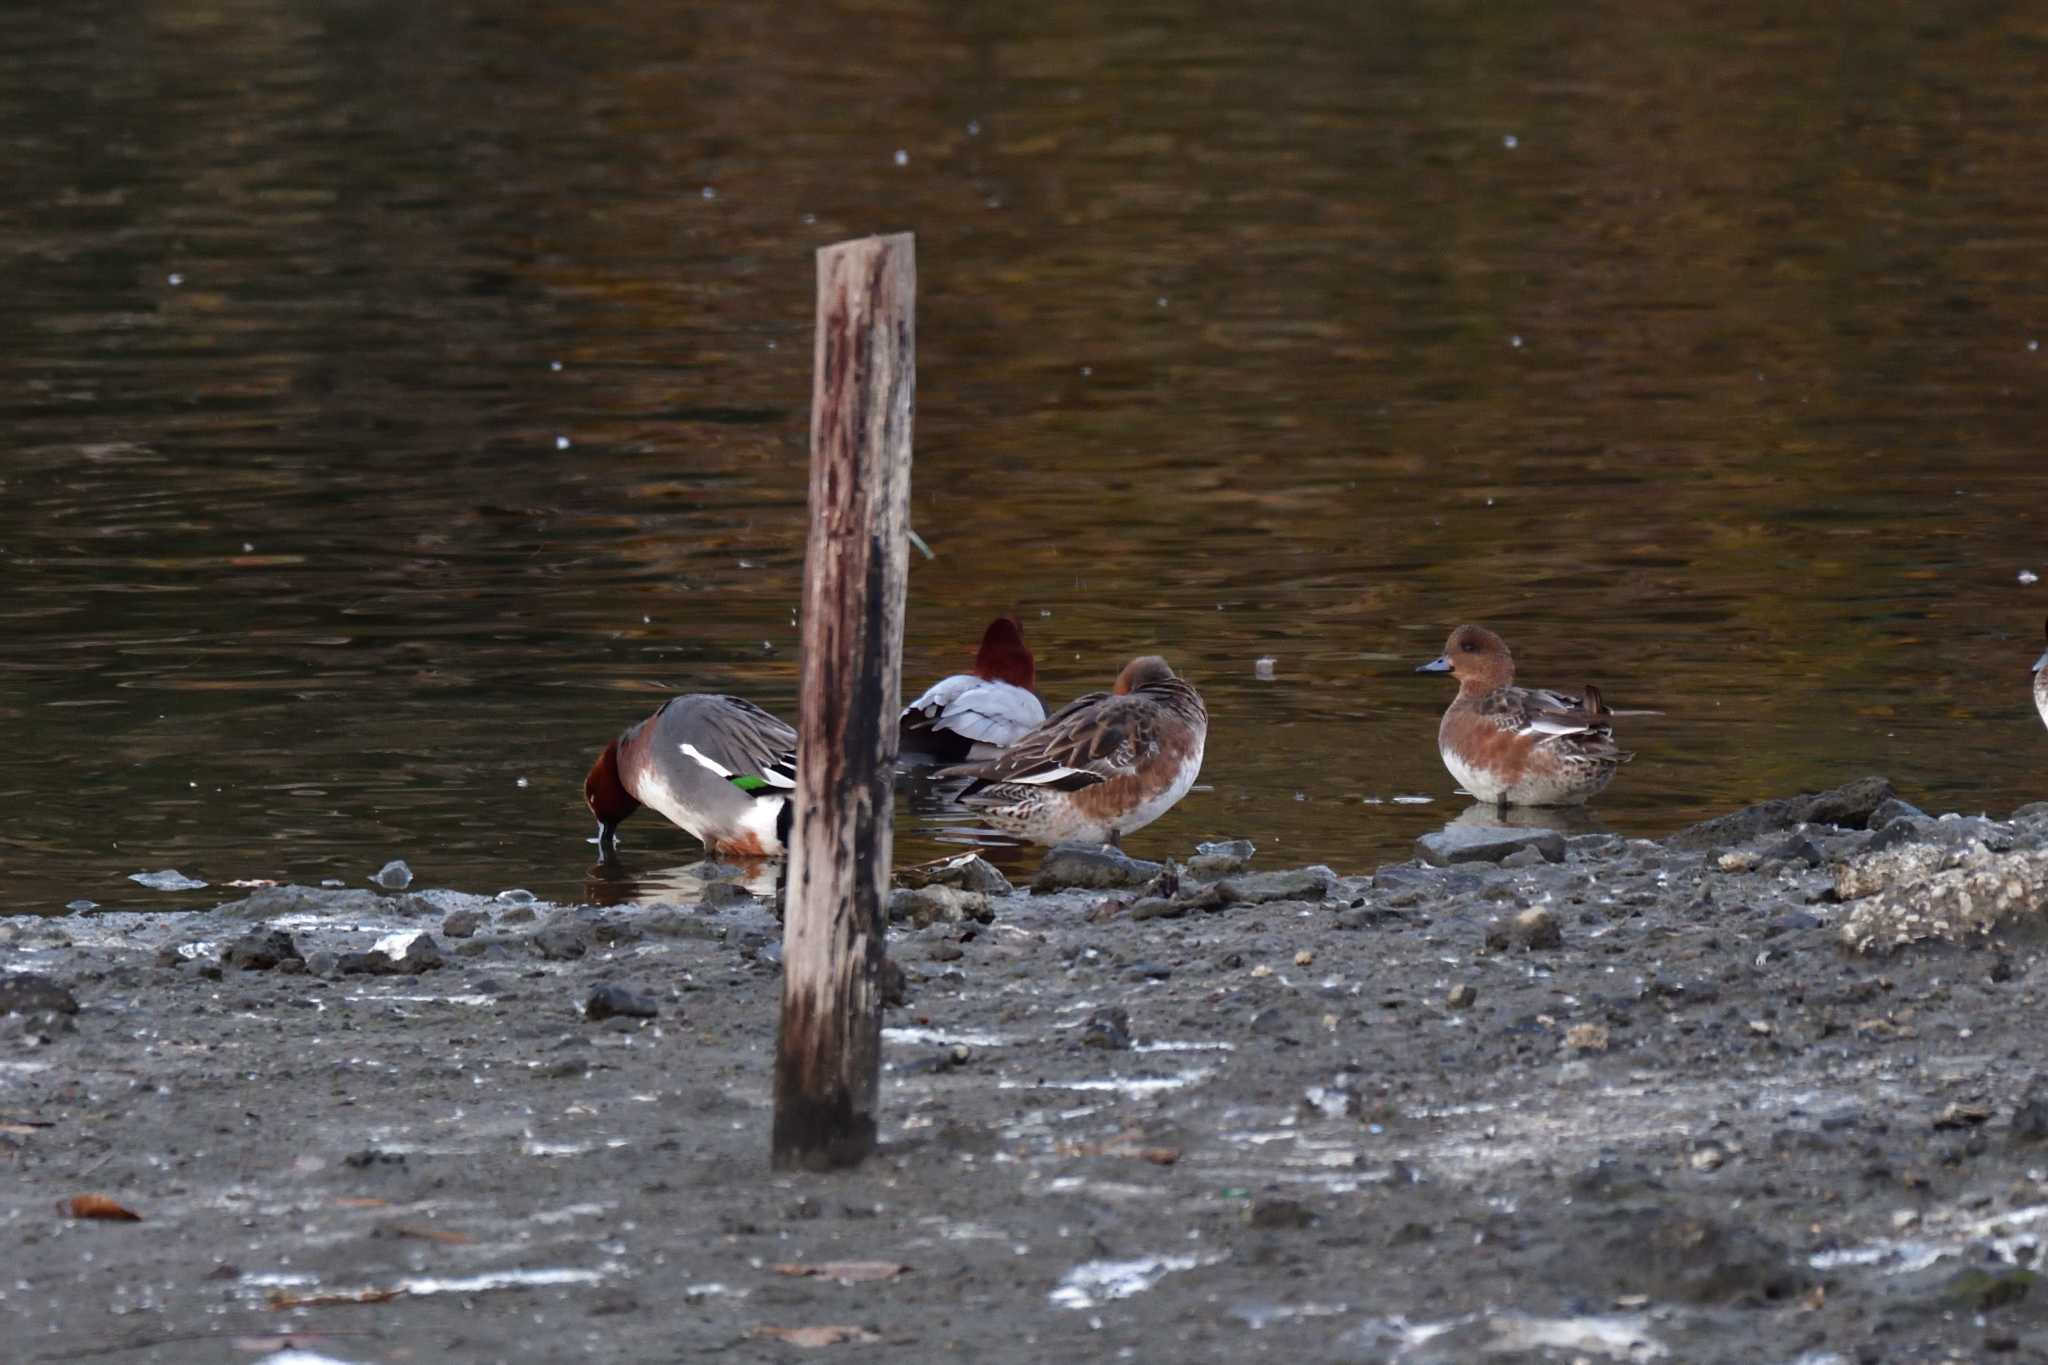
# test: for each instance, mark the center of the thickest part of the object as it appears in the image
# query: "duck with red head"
(719, 767)
(1101, 766)
(2041, 686)
(1519, 746)
(974, 716)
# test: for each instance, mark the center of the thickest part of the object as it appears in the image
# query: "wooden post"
(829, 1052)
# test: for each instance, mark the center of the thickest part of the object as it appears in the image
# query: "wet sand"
(1642, 1102)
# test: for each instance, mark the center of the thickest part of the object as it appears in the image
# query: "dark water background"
(1692, 347)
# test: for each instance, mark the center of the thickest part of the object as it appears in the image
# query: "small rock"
(927, 905)
(259, 950)
(1892, 808)
(1530, 930)
(944, 951)
(372, 1156)
(1455, 844)
(609, 1000)
(963, 872)
(1586, 1038)
(176, 954)
(393, 876)
(422, 954)
(1796, 850)
(1849, 806)
(564, 937)
(1708, 1157)
(1674, 1256)
(33, 993)
(169, 879)
(613, 930)
(1962, 1116)
(1524, 857)
(1981, 1289)
(1273, 1022)
(1739, 860)
(724, 896)
(1313, 883)
(1275, 1213)
(2030, 1115)
(1149, 971)
(463, 923)
(1108, 1027)
(1080, 867)
(1340, 1099)
(1412, 878)
(1304, 958)
(1218, 859)
(1461, 996)
(1931, 891)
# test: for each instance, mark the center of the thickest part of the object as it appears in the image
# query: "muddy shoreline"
(1765, 1090)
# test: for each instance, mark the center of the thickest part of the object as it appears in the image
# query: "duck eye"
(1470, 646)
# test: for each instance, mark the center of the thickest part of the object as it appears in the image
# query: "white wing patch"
(1049, 775)
(696, 755)
(1541, 724)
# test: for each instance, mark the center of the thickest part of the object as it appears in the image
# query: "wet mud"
(1538, 1094)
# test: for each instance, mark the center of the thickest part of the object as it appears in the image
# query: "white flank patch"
(760, 817)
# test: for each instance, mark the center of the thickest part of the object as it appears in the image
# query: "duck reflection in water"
(1564, 819)
(709, 883)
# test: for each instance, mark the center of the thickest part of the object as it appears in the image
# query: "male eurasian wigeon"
(975, 716)
(1101, 766)
(1519, 746)
(2041, 686)
(720, 767)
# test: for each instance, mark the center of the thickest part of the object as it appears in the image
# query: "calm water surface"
(398, 400)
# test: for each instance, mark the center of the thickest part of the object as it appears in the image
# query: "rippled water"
(399, 399)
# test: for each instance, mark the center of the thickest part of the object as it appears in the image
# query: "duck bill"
(2041, 662)
(1440, 664)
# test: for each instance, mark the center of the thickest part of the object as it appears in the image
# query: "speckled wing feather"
(1089, 740)
(1580, 725)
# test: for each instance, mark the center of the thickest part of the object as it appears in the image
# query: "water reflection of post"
(828, 1054)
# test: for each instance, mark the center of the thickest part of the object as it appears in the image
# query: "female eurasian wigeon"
(1101, 766)
(1519, 746)
(2041, 686)
(975, 716)
(720, 767)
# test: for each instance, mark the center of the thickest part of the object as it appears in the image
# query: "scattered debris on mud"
(1772, 1089)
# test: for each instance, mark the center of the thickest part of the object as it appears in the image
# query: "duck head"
(1004, 657)
(1476, 657)
(604, 791)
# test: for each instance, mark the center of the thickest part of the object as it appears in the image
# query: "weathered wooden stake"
(828, 1057)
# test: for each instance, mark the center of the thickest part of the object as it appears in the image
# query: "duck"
(1104, 765)
(1520, 746)
(720, 767)
(2041, 685)
(972, 717)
